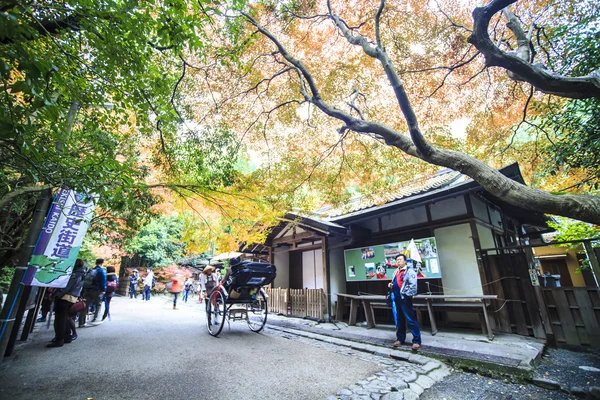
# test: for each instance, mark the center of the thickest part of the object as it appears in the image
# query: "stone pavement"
(405, 375)
(506, 355)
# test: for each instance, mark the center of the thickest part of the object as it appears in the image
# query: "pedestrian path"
(505, 355)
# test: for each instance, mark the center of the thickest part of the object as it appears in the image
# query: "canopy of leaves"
(90, 101)
(574, 230)
(159, 242)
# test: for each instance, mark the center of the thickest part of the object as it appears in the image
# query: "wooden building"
(482, 246)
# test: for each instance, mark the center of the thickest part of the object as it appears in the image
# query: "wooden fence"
(516, 310)
(297, 302)
(574, 313)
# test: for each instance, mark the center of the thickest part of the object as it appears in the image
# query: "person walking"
(176, 287)
(187, 286)
(112, 281)
(404, 287)
(148, 284)
(64, 326)
(133, 282)
(94, 287)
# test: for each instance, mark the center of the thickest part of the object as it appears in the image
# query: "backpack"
(89, 282)
(153, 282)
(111, 286)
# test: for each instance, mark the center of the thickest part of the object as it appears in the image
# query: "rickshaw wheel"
(257, 312)
(215, 313)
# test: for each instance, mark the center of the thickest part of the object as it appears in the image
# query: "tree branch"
(21, 191)
(546, 81)
(582, 207)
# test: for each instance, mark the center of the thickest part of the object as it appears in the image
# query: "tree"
(372, 37)
(90, 102)
(159, 242)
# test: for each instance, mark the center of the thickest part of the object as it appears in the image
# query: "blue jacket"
(100, 278)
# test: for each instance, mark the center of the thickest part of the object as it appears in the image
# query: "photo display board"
(379, 262)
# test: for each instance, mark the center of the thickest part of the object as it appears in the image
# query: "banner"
(379, 262)
(60, 240)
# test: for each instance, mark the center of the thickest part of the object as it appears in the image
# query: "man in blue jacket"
(404, 287)
(94, 286)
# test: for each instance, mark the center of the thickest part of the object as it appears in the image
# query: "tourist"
(64, 326)
(148, 284)
(404, 287)
(188, 285)
(133, 283)
(94, 287)
(112, 281)
(176, 287)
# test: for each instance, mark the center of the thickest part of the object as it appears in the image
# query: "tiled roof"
(441, 179)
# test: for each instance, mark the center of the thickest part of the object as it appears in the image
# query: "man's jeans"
(405, 314)
(132, 291)
(185, 296)
(146, 293)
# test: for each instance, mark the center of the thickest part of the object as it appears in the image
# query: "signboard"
(379, 262)
(60, 240)
(534, 278)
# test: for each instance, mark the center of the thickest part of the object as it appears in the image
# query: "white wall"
(282, 262)
(312, 269)
(458, 262)
(337, 274)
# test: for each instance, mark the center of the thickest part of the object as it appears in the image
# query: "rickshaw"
(240, 297)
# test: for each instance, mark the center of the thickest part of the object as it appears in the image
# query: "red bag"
(111, 286)
(77, 307)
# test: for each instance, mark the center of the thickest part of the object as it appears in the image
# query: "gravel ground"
(469, 386)
(563, 366)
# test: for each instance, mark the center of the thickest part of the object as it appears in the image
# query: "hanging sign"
(60, 240)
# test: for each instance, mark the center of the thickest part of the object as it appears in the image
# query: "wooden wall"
(574, 313)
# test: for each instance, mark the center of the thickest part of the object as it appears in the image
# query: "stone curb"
(405, 376)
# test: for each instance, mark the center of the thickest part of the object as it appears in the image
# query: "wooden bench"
(477, 303)
(467, 306)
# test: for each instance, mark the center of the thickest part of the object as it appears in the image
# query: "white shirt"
(148, 279)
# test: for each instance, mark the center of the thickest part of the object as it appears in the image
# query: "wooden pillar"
(593, 260)
(541, 301)
(477, 245)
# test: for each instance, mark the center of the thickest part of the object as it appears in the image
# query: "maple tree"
(228, 110)
(357, 66)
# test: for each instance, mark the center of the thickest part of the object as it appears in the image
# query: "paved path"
(150, 351)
